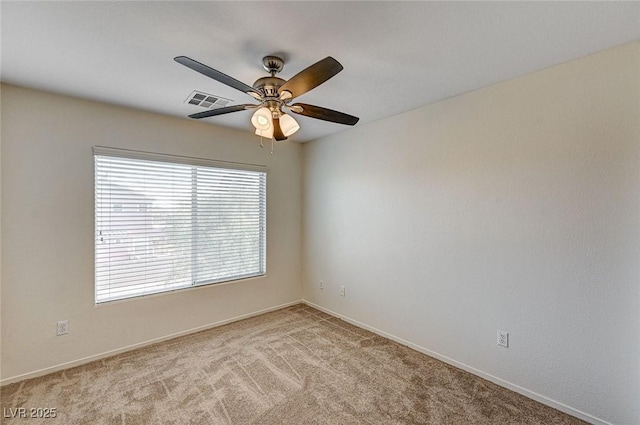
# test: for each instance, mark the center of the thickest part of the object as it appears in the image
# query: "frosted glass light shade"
(268, 133)
(261, 119)
(288, 125)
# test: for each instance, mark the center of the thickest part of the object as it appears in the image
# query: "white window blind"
(164, 223)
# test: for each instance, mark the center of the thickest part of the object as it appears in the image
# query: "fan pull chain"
(272, 146)
(261, 144)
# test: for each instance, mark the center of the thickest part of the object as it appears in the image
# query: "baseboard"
(110, 353)
(498, 381)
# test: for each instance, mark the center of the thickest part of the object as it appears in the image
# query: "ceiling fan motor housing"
(269, 85)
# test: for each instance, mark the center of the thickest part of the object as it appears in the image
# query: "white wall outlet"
(321, 284)
(62, 327)
(342, 291)
(503, 338)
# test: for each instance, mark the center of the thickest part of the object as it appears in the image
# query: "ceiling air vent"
(208, 101)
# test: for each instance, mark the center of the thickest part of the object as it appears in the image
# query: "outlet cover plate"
(503, 339)
(62, 327)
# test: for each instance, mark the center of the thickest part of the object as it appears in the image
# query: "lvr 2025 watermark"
(31, 413)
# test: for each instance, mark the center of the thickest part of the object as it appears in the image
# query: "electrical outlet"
(503, 338)
(62, 327)
(342, 291)
(321, 284)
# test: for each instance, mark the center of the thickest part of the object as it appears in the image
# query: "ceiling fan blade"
(221, 111)
(277, 131)
(323, 114)
(311, 77)
(217, 75)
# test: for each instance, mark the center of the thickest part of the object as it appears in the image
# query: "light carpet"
(293, 366)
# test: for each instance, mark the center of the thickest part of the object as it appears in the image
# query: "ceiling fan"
(275, 96)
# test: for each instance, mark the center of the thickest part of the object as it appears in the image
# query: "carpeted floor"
(293, 366)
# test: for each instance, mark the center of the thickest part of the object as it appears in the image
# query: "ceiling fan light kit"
(275, 95)
(262, 120)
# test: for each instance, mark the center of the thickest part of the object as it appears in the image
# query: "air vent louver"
(208, 101)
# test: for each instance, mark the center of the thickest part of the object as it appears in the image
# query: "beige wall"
(515, 207)
(48, 221)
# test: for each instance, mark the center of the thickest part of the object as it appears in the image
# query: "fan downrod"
(272, 64)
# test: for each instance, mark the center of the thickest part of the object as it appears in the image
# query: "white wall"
(48, 221)
(514, 207)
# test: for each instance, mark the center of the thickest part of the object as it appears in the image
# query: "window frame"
(191, 161)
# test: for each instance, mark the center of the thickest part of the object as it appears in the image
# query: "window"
(180, 222)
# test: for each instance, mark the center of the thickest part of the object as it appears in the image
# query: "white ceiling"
(397, 56)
